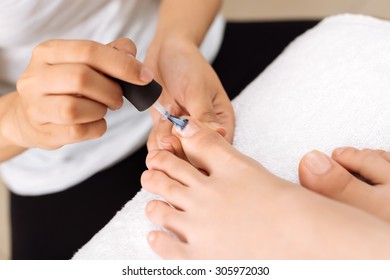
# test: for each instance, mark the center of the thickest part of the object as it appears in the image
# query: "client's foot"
(224, 205)
(332, 177)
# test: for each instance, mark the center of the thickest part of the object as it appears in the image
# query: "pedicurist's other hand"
(192, 88)
(64, 94)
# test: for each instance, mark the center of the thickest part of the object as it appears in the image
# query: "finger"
(101, 57)
(54, 136)
(73, 78)
(124, 45)
(167, 246)
(225, 114)
(67, 110)
(214, 109)
(157, 182)
(367, 163)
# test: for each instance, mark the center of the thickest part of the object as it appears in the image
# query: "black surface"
(54, 226)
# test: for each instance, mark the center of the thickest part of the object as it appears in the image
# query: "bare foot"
(229, 207)
(332, 177)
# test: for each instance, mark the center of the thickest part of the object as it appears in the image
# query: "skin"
(191, 86)
(332, 177)
(224, 205)
(62, 98)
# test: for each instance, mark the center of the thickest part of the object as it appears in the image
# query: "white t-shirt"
(25, 24)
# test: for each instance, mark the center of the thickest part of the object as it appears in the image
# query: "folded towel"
(329, 88)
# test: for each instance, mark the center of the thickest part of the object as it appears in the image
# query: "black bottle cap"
(142, 97)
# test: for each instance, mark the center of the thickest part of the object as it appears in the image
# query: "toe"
(206, 148)
(385, 155)
(162, 214)
(157, 182)
(320, 173)
(166, 246)
(176, 168)
(370, 164)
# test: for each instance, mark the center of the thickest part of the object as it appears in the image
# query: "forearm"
(186, 19)
(7, 148)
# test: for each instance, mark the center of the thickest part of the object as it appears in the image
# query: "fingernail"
(146, 74)
(317, 163)
(339, 151)
(152, 154)
(189, 130)
(149, 207)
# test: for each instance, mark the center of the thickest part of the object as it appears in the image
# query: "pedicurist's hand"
(192, 88)
(65, 92)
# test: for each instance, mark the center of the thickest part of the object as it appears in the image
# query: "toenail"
(150, 206)
(189, 130)
(339, 151)
(152, 236)
(317, 163)
(146, 175)
(152, 154)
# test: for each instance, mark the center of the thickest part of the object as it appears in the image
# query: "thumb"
(127, 46)
(203, 110)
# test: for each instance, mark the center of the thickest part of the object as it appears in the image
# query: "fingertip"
(118, 105)
(146, 75)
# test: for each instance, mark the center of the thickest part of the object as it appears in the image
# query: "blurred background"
(244, 11)
(239, 10)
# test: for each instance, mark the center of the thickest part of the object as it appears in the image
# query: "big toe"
(205, 148)
(322, 174)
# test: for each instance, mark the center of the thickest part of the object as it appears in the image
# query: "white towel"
(329, 88)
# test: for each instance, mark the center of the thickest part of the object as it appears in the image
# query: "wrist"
(8, 126)
(171, 43)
